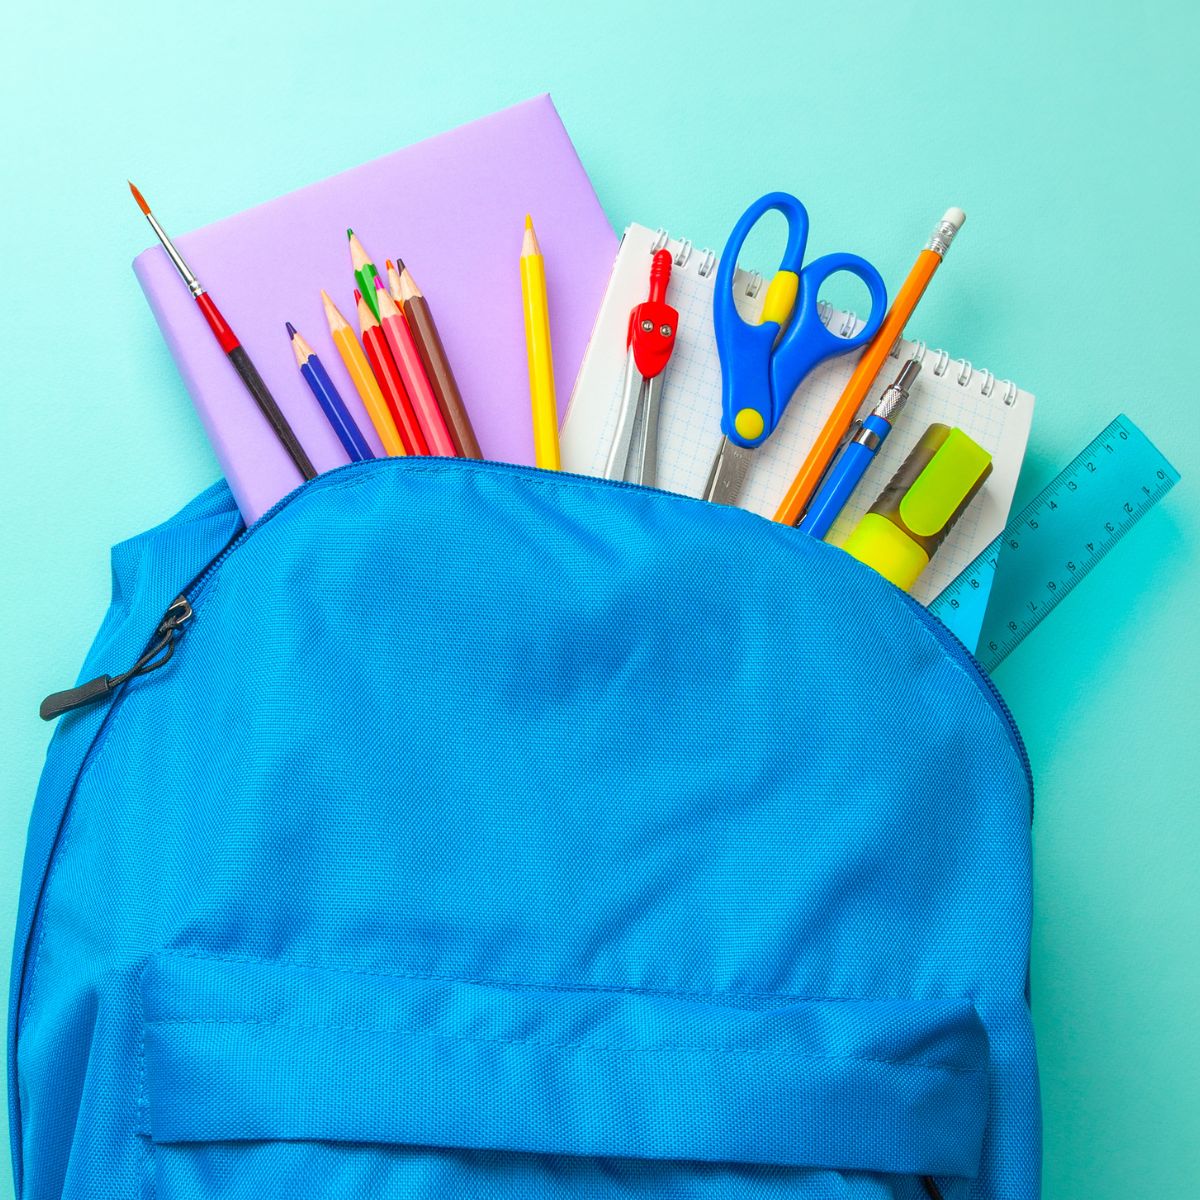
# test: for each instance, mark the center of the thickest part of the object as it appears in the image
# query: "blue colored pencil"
(332, 405)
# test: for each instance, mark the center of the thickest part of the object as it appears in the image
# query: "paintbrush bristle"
(141, 200)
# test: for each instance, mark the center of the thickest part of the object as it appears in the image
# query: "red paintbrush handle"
(225, 336)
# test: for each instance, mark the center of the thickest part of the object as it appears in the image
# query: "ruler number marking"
(1059, 501)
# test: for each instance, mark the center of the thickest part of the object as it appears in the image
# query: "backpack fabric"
(493, 832)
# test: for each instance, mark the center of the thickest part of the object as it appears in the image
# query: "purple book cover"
(453, 208)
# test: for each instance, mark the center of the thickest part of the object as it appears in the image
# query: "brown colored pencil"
(424, 330)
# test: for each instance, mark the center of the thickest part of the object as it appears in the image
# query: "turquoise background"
(1066, 131)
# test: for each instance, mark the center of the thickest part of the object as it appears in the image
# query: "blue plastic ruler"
(1054, 541)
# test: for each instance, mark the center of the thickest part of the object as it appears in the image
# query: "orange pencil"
(408, 361)
(360, 374)
(794, 504)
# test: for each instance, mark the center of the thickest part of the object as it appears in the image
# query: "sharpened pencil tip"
(379, 286)
(528, 221)
(400, 265)
(349, 233)
(335, 318)
(141, 200)
(357, 295)
(291, 329)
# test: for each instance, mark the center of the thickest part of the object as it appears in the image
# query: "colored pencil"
(538, 352)
(364, 270)
(234, 350)
(434, 358)
(393, 280)
(412, 372)
(794, 505)
(328, 397)
(363, 377)
(388, 377)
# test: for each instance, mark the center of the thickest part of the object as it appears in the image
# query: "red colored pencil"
(412, 371)
(388, 378)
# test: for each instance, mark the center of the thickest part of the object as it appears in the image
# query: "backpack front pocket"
(262, 1078)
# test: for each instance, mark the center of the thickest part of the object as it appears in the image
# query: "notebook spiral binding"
(707, 262)
(965, 371)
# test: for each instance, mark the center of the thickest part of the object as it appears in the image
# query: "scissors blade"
(618, 454)
(728, 473)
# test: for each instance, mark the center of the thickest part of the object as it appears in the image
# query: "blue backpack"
(471, 831)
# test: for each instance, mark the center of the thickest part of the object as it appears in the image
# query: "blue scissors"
(761, 370)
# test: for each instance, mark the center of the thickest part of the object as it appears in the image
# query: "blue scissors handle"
(759, 376)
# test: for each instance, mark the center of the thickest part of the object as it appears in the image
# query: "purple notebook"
(453, 208)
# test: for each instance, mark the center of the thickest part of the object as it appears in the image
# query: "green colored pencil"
(364, 272)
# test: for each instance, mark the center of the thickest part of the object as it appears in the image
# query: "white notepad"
(996, 413)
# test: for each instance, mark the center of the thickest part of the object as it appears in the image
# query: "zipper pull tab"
(157, 654)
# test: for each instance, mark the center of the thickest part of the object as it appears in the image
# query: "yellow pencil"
(537, 345)
(364, 382)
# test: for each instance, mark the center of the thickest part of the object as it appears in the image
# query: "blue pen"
(332, 404)
(852, 464)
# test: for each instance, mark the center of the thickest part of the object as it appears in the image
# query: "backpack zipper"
(171, 627)
(963, 656)
(157, 654)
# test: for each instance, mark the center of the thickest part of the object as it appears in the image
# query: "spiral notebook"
(995, 412)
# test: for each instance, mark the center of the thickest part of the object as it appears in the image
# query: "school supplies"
(840, 418)
(995, 413)
(861, 447)
(537, 345)
(364, 271)
(332, 404)
(232, 347)
(455, 200)
(763, 364)
(434, 358)
(903, 529)
(1052, 545)
(652, 326)
(359, 370)
(412, 373)
(388, 378)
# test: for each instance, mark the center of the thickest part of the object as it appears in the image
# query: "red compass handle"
(653, 323)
